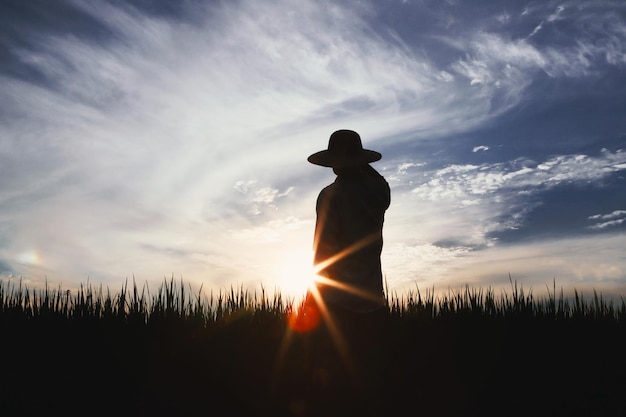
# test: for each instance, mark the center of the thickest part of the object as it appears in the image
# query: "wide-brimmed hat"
(344, 150)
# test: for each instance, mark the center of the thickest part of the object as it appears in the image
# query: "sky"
(154, 140)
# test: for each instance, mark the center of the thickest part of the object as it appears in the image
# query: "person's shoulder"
(376, 177)
(330, 188)
(328, 191)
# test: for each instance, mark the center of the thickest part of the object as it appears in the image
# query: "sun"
(295, 273)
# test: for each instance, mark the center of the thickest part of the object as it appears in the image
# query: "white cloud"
(536, 30)
(467, 180)
(446, 76)
(259, 197)
(557, 14)
(158, 122)
(467, 203)
(244, 186)
(402, 175)
(610, 223)
(612, 215)
(503, 18)
(495, 60)
(612, 219)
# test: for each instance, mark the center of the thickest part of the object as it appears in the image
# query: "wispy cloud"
(612, 219)
(468, 204)
(610, 223)
(456, 181)
(144, 134)
(186, 137)
(613, 215)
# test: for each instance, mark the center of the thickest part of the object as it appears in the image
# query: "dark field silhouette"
(176, 353)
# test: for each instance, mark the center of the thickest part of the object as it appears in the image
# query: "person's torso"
(357, 205)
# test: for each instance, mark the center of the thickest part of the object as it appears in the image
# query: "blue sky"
(138, 140)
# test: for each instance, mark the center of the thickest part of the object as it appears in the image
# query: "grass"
(175, 300)
(175, 351)
(484, 303)
(172, 301)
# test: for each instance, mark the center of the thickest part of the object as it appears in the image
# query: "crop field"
(176, 352)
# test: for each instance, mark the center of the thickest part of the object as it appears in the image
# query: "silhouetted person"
(347, 247)
(349, 226)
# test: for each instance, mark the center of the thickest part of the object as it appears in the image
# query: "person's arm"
(326, 241)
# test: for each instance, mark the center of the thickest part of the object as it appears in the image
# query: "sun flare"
(295, 275)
